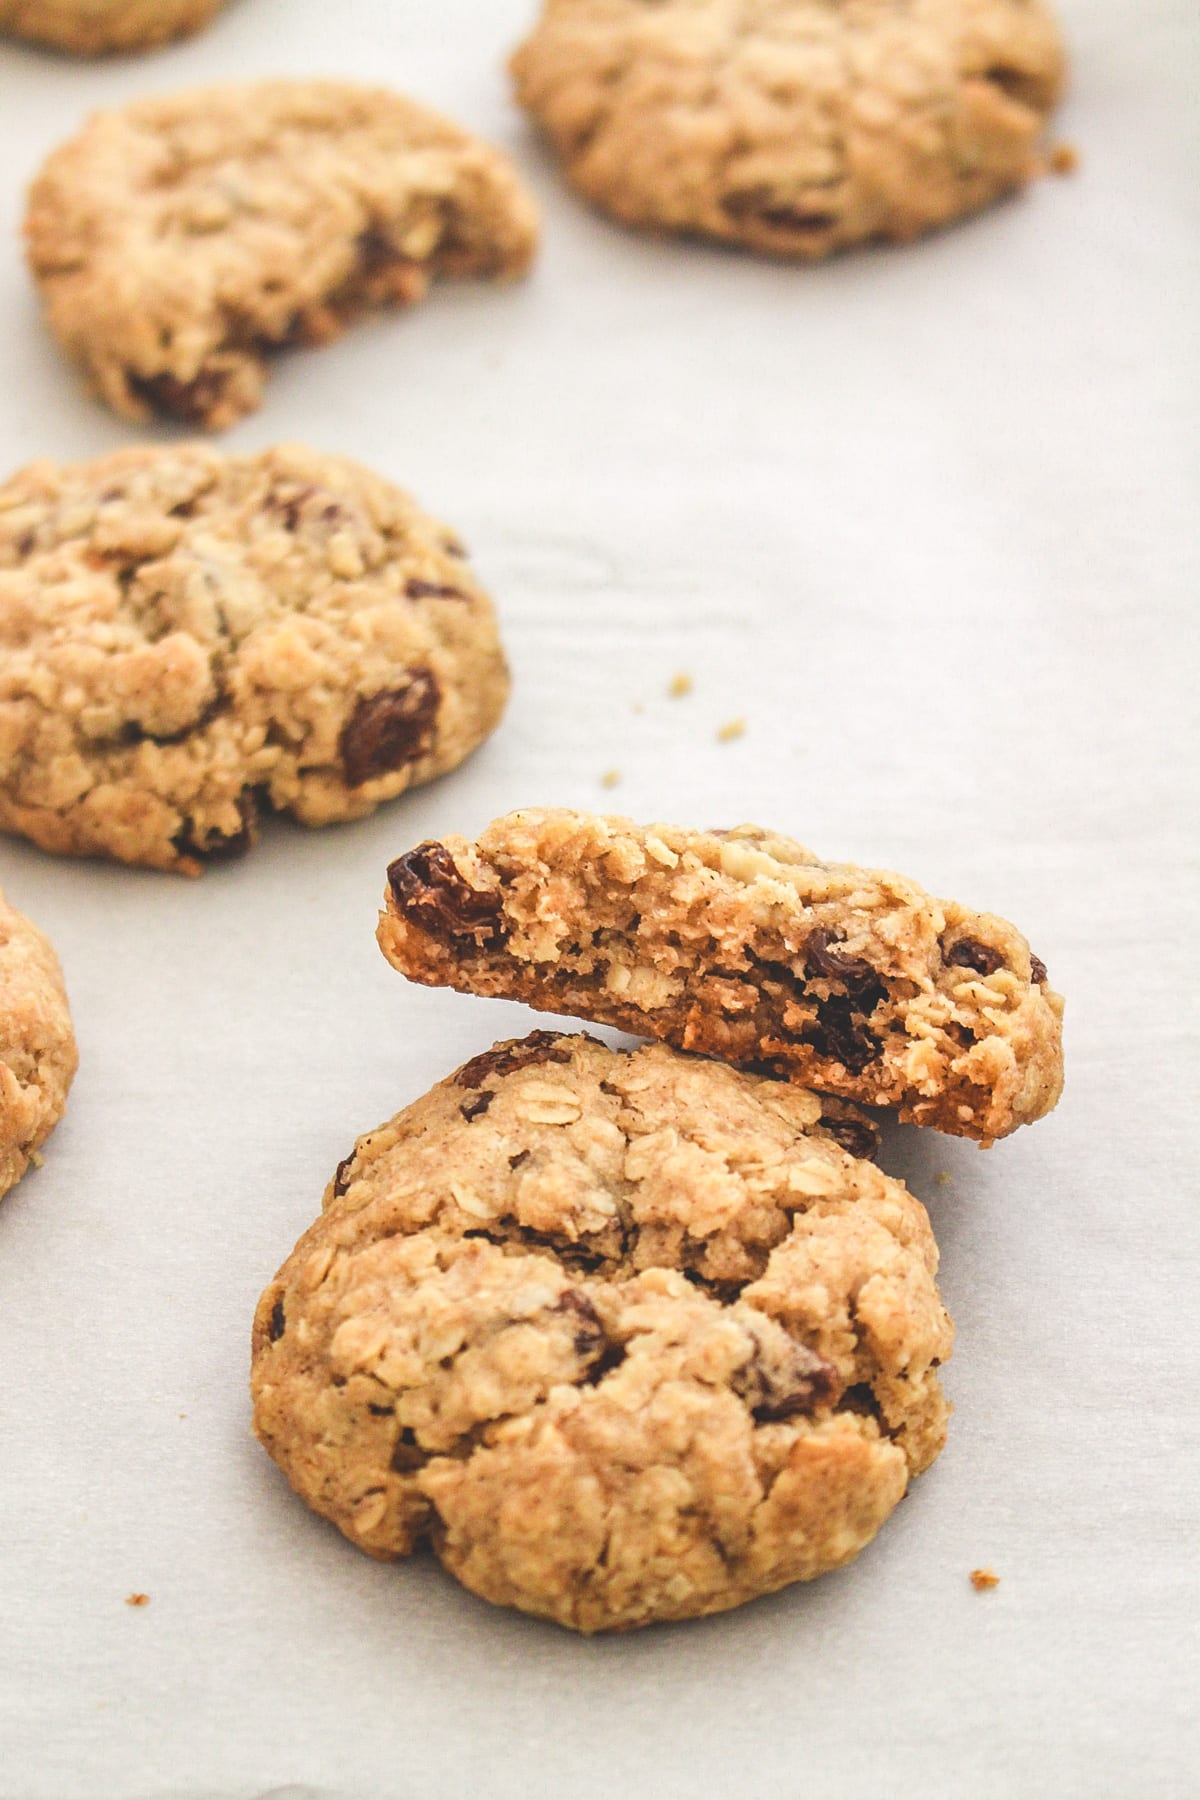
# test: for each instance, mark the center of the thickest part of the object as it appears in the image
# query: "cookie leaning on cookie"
(99, 27)
(626, 1336)
(745, 946)
(38, 1056)
(177, 242)
(187, 638)
(793, 127)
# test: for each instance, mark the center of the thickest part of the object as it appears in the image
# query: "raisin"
(810, 1380)
(475, 1109)
(522, 1156)
(211, 846)
(760, 206)
(194, 401)
(408, 1455)
(589, 1331)
(416, 589)
(430, 891)
(824, 959)
(1037, 970)
(840, 1037)
(969, 953)
(389, 729)
(505, 1059)
(854, 1135)
(278, 1325)
(341, 1175)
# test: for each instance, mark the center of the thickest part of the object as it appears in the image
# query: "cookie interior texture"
(626, 1336)
(741, 945)
(180, 240)
(793, 127)
(188, 638)
(38, 1056)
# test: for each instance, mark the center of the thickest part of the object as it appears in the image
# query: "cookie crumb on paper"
(983, 1580)
(137, 1599)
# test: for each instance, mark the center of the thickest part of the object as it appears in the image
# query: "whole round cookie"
(186, 638)
(793, 126)
(625, 1335)
(97, 27)
(178, 241)
(38, 1056)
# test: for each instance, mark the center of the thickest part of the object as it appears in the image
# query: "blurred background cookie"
(38, 1056)
(793, 127)
(179, 241)
(95, 27)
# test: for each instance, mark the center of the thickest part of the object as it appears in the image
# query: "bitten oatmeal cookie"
(37, 1045)
(96, 27)
(626, 1336)
(793, 126)
(741, 945)
(178, 241)
(187, 637)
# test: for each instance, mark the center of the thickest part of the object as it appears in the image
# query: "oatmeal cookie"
(741, 945)
(793, 127)
(186, 637)
(37, 1045)
(98, 27)
(625, 1335)
(180, 240)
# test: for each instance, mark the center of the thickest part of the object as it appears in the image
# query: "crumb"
(37, 1159)
(681, 684)
(736, 728)
(638, 707)
(983, 1579)
(942, 1178)
(1064, 159)
(183, 1415)
(137, 1599)
(610, 778)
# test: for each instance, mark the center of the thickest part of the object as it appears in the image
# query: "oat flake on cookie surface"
(99, 27)
(743, 945)
(38, 1056)
(188, 638)
(793, 127)
(625, 1336)
(178, 241)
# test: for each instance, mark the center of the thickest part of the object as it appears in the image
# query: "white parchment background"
(925, 518)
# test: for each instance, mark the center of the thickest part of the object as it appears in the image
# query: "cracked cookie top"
(37, 1045)
(793, 127)
(98, 27)
(626, 1335)
(186, 638)
(743, 945)
(180, 240)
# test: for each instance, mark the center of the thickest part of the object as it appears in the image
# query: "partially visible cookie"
(187, 638)
(179, 241)
(38, 1056)
(97, 27)
(625, 1335)
(743, 945)
(793, 127)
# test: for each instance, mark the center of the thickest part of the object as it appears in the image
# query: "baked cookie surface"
(38, 1056)
(186, 638)
(97, 27)
(793, 127)
(745, 946)
(626, 1336)
(177, 242)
